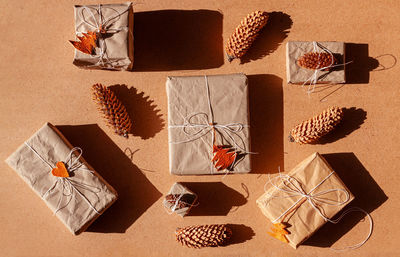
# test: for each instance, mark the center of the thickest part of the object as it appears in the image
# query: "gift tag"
(60, 170)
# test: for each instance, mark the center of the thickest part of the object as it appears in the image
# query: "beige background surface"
(38, 83)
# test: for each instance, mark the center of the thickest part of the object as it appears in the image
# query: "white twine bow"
(291, 187)
(68, 185)
(313, 79)
(207, 125)
(100, 27)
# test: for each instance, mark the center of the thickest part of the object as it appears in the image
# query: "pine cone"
(314, 61)
(186, 200)
(245, 34)
(114, 112)
(203, 235)
(311, 130)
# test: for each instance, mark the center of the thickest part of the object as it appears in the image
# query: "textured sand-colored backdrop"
(38, 83)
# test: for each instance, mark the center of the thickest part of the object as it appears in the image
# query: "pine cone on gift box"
(314, 61)
(185, 200)
(203, 235)
(245, 34)
(311, 130)
(113, 110)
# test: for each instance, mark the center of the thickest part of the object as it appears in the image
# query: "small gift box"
(56, 171)
(111, 28)
(315, 62)
(208, 124)
(179, 200)
(300, 202)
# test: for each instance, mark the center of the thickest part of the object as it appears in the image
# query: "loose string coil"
(291, 187)
(208, 125)
(101, 27)
(313, 79)
(68, 185)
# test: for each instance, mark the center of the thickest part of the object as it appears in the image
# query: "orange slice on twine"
(60, 170)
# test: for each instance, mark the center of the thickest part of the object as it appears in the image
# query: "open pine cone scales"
(203, 235)
(314, 61)
(313, 129)
(113, 110)
(245, 34)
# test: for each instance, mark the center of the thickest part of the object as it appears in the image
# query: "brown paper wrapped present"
(179, 200)
(300, 75)
(113, 24)
(207, 115)
(299, 203)
(77, 200)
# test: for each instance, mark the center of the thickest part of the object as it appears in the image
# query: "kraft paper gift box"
(76, 200)
(114, 49)
(203, 110)
(299, 75)
(285, 201)
(179, 200)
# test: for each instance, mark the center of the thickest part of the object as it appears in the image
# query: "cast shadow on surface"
(240, 233)
(178, 40)
(357, 72)
(135, 192)
(353, 118)
(146, 118)
(368, 196)
(266, 123)
(270, 37)
(214, 198)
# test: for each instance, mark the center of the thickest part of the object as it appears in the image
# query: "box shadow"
(357, 72)
(214, 198)
(266, 123)
(117, 169)
(177, 40)
(368, 196)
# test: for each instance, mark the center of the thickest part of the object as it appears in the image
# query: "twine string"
(68, 186)
(177, 200)
(291, 187)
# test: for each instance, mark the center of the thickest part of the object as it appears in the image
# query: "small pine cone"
(245, 34)
(114, 112)
(186, 200)
(311, 130)
(203, 235)
(314, 61)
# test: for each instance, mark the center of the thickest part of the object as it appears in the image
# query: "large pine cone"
(311, 130)
(245, 34)
(314, 61)
(203, 235)
(113, 110)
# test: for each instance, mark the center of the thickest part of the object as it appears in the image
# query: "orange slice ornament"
(224, 157)
(87, 43)
(60, 170)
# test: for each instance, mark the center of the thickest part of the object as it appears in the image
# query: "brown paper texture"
(188, 96)
(117, 42)
(305, 220)
(75, 213)
(298, 75)
(179, 189)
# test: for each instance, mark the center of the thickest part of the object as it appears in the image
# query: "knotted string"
(101, 27)
(69, 186)
(313, 79)
(207, 125)
(291, 187)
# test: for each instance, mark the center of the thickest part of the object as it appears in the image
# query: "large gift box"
(208, 124)
(300, 202)
(297, 74)
(179, 200)
(56, 171)
(113, 24)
